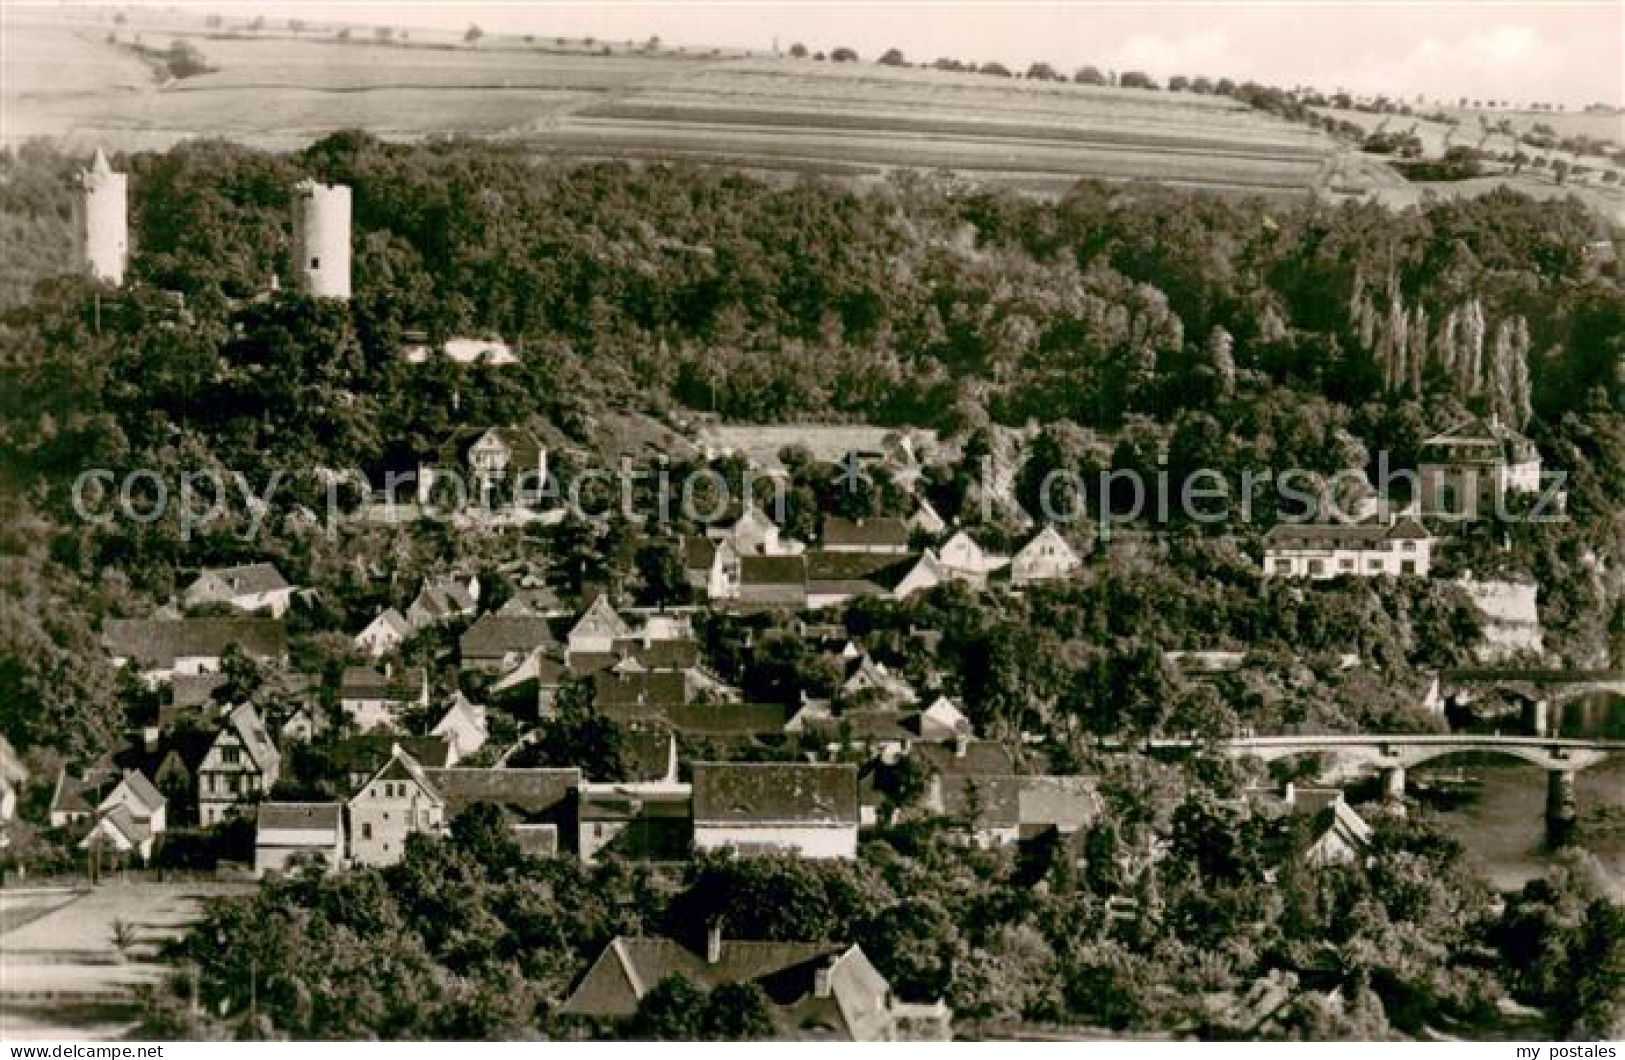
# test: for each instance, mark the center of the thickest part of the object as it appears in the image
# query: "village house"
(404, 797)
(598, 629)
(1470, 469)
(505, 465)
(533, 601)
(1047, 557)
(1339, 836)
(241, 765)
(396, 802)
(776, 807)
(291, 834)
(136, 794)
(443, 599)
(926, 574)
(869, 683)
(463, 726)
(754, 534)
(73, 798)
(1366, 550)
(160, 648)
(772, 582)
(943, 722)
(252, 587)
(816, 991)
(498, 643)
(962, 559)
(883, 536)
(373, 698)
(646, 815)
(384, 634)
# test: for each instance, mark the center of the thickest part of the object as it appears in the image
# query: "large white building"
(321, 239)
(1368, 550)
(776, 807)
(101, 216)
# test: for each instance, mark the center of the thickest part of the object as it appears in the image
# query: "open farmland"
(275, 89)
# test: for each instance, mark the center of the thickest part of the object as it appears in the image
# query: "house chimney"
(713, 942)
(961, 744)
(823, 985)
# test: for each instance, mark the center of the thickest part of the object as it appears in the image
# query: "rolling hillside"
(79, 78)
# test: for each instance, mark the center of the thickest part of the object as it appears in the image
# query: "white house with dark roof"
(160, 648)
(1401, 548)
(135, 793)
(290, 833)
(498, 643)
(377, 698)
(1047, 557)
(777, 807)
(962, 559)
(817, 991)
(250, 587)
(241, 765)
(597, 630)
(877, 536)
(1340, 835)
(463, 725)
(384, 634)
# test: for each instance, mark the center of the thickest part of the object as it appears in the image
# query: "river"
(1503, 825)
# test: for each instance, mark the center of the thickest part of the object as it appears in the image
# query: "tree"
(674, 1011)
(736, 1012)
(843, 55)
(1043, 72)
(798, 50)
(662, 577)
(1136, 79)
(474, 33)
(1089, 75)
(893, 57)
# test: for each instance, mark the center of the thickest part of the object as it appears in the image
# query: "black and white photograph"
(919, 521)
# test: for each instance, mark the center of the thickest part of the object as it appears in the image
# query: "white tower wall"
(102, 229)
(321, 230)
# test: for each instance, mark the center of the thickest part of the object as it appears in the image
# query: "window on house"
(1409, 546)
(231, 755)
(366, 829)
(315, 263)
(1347, 563)
(1317, 566)
(1408, 566)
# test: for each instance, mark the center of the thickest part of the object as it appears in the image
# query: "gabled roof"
(121, 826)
(137, 784)
(1352, 535)
(72, 794)
(728, 719)
(496, 636)
(403, 766)
(641, 688)
(246, 579)
(320, 817)
(882, 532)
(1068, 803)
(775, 793)
(537, 602)
(159, 642)
(526, 792)
(392, 620)
(446, 597)
(363, 682)
(601, 620)
(245, 722)
(978, 758)
(1048, 536)
(630, 967)
(772, 570)
(994, 798)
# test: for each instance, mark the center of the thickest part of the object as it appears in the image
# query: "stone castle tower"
(321, 239)
(101, 221)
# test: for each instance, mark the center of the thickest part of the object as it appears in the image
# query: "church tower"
(321, 239)
(101, 221)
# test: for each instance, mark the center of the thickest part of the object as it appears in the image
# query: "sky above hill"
(1567, 51)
